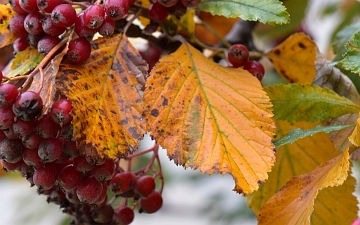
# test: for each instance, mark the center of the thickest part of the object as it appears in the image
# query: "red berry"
(31, 141)
(34, 39)
(82, 165)
(50, 149)
(50, 28)
(11, 150)
(63, 15)
(152, 203)
(32, 23)
(47, 5)
(8, 94)
(60, 112)
(16, 25)
(20, 44)
(79, 50)
(116, 9)
(45, 177)
(10, 166)
(89, 190)
(122, 182)
(70, 149)
(145, 185)
(23, 128)
(46, 127)
(29, 6)
(81, 29)
(108, 27)
(255, 68)
(31, 158)
(94, 16)
(69, 178)
(124, 215)
(28, 105)
(47, 43)
(103, 172)
(15, 5)
(157, 12)
(238, 55)
(7, 117)
(103, 214)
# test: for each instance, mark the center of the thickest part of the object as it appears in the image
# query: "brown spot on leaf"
(125, 80)
(277, 52)
(301, 45)
(165, 102)
(133, 132)
(154, 112)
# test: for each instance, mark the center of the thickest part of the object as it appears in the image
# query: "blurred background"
(189, 197)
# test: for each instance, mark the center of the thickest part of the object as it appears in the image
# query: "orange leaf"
(105, 96)
(294, 59)
(6, 37)
(295, 159)
(294, 203)
(210, 117)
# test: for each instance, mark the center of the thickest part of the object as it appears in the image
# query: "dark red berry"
(152, 203)
(23, 128)
(79, 50)
(31, 158)
(256, 69)
(116, 9)
(20, 44)
(11, 150)
(15, 5)
(60, 111)
(157, 12)
(47, 43)
(46, 127)
(145, 185)
(124, 215)
(10, 166)
(238, 55)
(168, 3)
(45, 177)
(47, 5)
(16, 25)
(63, 15)
(122, 182)
(103, 172)
(33, 39)
(28, 105)
(31, 141)
(103, 214)
(8, 94)
(94, 16)
(69, 178)
(108, 27)
(89, 190)
(81, 29)
(29, 6)
(50, 149)
(32, 23)
(7, 117)
(82, 165)
(50, 28)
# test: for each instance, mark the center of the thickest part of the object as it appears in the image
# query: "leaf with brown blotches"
(105, 93)
(212, 118)
(6, 37)
(294, 59)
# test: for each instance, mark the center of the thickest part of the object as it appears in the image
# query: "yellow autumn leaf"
(6, 37)
(294, 59)
(106, 98)
(25, 61)
(212, 118)
(355, 136)
(295, 159)
(329, 210)
(294, 202)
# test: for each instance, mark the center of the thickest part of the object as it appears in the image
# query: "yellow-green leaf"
(336, 205)
(308, 102)
(294, 59)
(355, 136)
(292, 160)
(105, 96)
(294, 202)
(212, 118)
(6, 37)
(24, 62)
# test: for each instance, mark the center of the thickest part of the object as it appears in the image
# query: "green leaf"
(24, 62)
(298, 133)
(270, 11)
(352, 56)
(342, 37)
(308, 102)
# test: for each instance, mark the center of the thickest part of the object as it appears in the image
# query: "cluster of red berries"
(160, 9)
(41, 24)
(42, 149)
(238, 56)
